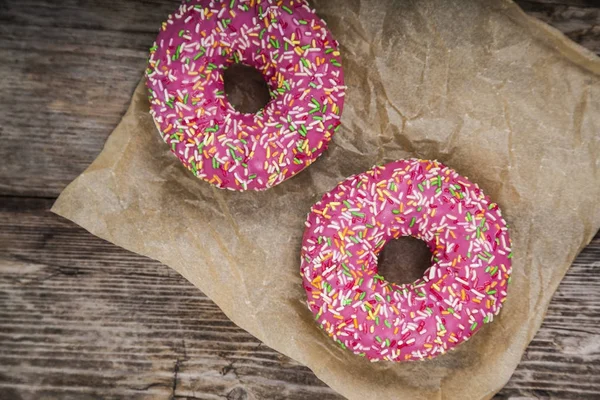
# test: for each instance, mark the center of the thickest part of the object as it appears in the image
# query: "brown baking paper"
(506, 101)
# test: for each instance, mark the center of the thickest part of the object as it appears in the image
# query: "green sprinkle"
(394, 211)
(377, 320)
(357, 214)
(231, 3)
(252, 176)
(387, 323)
(303, 130)
(362, 295)
(412, 222)
(302, 22)
(181, 32)
(262, 33)
(287, 9)
(304, 62)
(473, 326)
(378, 339)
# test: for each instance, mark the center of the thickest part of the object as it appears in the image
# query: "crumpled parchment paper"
(505, 100)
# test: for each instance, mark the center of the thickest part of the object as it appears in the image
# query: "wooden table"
(83, 319)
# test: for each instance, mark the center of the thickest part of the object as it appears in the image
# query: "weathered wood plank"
(578, 20)
(70, 67)
(81, 318)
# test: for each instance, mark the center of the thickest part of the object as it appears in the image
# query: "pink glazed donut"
(462, 290)
(290, 45)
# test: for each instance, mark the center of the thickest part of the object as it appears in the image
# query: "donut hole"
(404, 260)
(246, 88)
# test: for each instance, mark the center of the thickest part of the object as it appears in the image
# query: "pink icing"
(300, 61)
(463, 289)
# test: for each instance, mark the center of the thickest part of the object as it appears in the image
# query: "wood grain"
(578, 20)
(75, 65)
(83, 319)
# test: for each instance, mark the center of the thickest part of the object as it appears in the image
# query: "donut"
(290, 45)
(462, 290)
